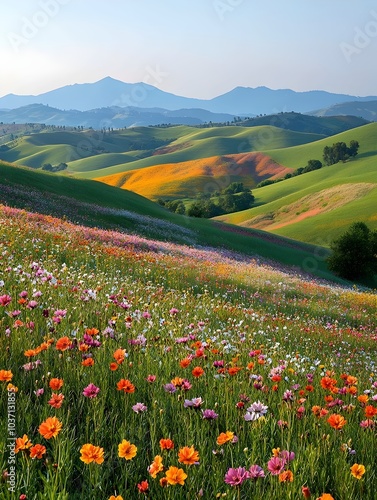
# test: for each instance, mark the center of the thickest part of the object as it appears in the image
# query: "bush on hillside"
(354, 254)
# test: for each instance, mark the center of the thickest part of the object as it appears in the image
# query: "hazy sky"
(195, 48)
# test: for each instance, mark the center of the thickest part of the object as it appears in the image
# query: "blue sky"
(195, 48)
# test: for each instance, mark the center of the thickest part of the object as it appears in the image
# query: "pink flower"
(151, 378)
(91, 391)
(235, 477)
(256, 471)
(5, 300)
(275, 465)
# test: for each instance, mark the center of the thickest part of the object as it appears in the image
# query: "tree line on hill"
(233, 198)
(338, 152)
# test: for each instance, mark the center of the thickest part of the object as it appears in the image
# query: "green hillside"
(96, 204)
(318, 206)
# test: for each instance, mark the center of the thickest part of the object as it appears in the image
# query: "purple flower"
(170, 388)
(255, 411)
(209, 415)
(288, 396)
(193, 403)
(91, 391)
(256, 471)
(235, 477)
(139, 408)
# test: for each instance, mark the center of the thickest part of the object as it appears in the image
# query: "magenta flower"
(275, 465)
(91, 391)
(235, 477)
(256, 471)
(5, 300)
(209, 415)
(151, 378)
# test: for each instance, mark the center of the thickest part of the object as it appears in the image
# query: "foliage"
(339, 151)
(354, 254)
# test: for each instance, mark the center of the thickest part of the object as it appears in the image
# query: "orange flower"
(177, 381)
(166, 444)
(351, 380)
(30, 353)
(357, 470)
(91, 453)
(370, 411)
(164, 482)
(250, 365)
(127, 450)
(352, 390)
(197, 371)
(337, 421)
(63, 343)
(328, 383)
(176, 476)
(363, 398)
(125, 386)
(22, 444)
(91, 331)
(188, 455)
(83, 347)
(88, 362)
(6, 375)
(233, 370)
(325, 496)
(113, 367)
(185, 362)
(12, 388)
(37, 451)
(56, 384)
(50, 427)
(56, 400)
(224, 437)
(119, 356)
(286, 476)
(156, 466)
(116, 498)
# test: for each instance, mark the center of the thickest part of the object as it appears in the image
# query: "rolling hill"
(318, 206)
(363, 109)
(96, 204)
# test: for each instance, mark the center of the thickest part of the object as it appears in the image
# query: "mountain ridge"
(109, 92)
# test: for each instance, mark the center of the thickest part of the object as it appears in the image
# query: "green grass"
(323, 227)
(54, 192)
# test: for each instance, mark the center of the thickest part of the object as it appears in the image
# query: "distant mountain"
(246, 101)
(324, 125)
(114, 116)
(366, 110)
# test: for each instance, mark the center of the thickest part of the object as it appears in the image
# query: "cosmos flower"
(91, 391)
(235, 477)
(91, 453)
(50, 428)
(127, 450)
(175, 476)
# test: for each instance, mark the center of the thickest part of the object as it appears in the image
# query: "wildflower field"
(134, 368)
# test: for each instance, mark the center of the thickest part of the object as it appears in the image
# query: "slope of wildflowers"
(134, 368)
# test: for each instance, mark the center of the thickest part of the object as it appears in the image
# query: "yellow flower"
(357, 470)
(176, 476)
(91, 453)
(127, 450)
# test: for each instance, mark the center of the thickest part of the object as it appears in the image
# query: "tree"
(354, 254)
(312, 165)
(339, 151)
